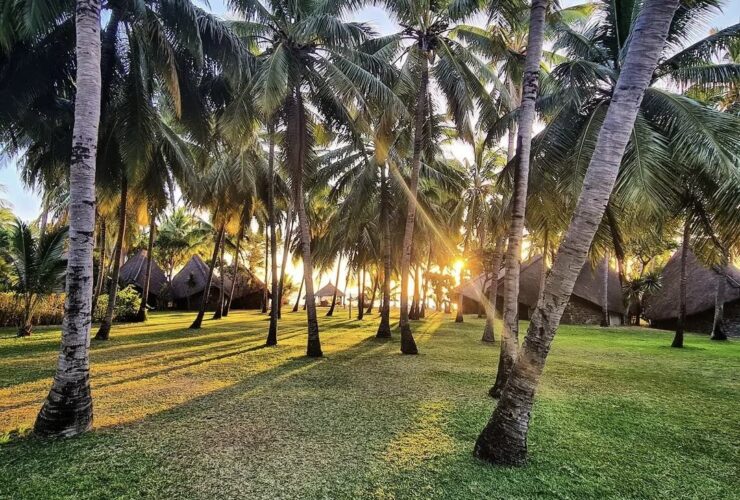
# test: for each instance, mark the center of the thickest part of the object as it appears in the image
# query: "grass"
(213, 414)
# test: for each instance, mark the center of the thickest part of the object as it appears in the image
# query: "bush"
(128, 302)
(49, 310)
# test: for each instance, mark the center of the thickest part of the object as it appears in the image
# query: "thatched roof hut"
(585, 306)
(328, 290)
(248, 291)
(188, 285)
(133, 272)
(661, 308)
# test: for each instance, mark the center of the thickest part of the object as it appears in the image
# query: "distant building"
(326, 293)
(133, 272)
(188, 286)
(661, 308)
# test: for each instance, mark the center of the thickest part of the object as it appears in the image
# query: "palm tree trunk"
(719, 301)
(330, 312)
(361, 294)
(219, 312)
(207, 290)
(460, 298)
(605, 293)
(296, 130)
(678, 338)
(267, 269)
(235, 272)
(504, 439)
(376, 282)
(284, 263)
(141, 315)
(272, 332)
(543, 274)
(414, 314)
(300, 291)
(384, 328)
(105, 324)
(101, 268)
(489, 330)
(68, 408)
(408, 346)
(530, 88)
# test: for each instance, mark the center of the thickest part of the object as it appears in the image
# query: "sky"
(26, 204)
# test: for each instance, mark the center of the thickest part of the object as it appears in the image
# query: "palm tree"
(309, 71)
(37, 266)
(426, 25)
(67, 409)
(504, 439)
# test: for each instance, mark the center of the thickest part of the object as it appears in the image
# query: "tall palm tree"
(504, 439)
(67, 409)
(310, 72)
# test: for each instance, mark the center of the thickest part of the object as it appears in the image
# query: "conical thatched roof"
(589, 285)
(192, 279)
(328, 291)
(133, 272)
(701, 287)
(246, 283)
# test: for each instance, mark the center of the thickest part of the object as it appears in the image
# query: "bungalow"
(326, 293)
(661, 308)
(133, 272)
(188, 286)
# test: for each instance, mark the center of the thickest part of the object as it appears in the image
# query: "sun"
(458, 265)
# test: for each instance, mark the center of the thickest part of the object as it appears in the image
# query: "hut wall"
(248, 301)
(193, 303)
(702, 322)
(581, 312)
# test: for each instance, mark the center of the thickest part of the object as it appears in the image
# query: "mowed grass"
(214, 414)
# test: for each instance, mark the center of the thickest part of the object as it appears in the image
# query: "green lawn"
(213, 414)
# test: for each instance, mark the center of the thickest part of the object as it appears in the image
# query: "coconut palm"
(504, 439)
(310, 72)
(67, 409)
(37, 267)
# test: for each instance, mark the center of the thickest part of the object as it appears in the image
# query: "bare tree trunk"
(459, 318)
(272, 332)
(488, 331)
(336, 287)
(530, 88)
(296, 130)
(105, 324)
(298, 300)
(267, 268)
(384, 328)
(719, 302)
(207, 291)
(101, 268)
(605, 293)
(543, 275)
(68, 408)
(141, 315)
(504, 439)
(286, 250)
(361, 295)
(408, 346)
(376, 280)
(414, 312)
(678, 338)
(219, 312)
(235, 272)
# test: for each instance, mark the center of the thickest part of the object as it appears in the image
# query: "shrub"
(49, 310)
(128, 301)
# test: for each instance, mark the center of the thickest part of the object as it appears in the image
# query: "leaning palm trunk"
(219, 312)
(369, 309)
(384, 328)
(488, 331)
(300, 291)
(678, 338)
(105, 325)
(504, 439)
(530, 87)
(141, 315)
(408, 346)
(605, 293)
(330, 312)
(207, 290)
(272, 331)
(297, 135)
(719, 302)
(265, 294)
(235, 272)
(68, 408)
(361, 294)
(101, 267)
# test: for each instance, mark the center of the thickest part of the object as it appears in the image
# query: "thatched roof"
(701, 287)
(192, 279)
(328, 291)
(246, 283)
(133, 272)
(589, 285)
